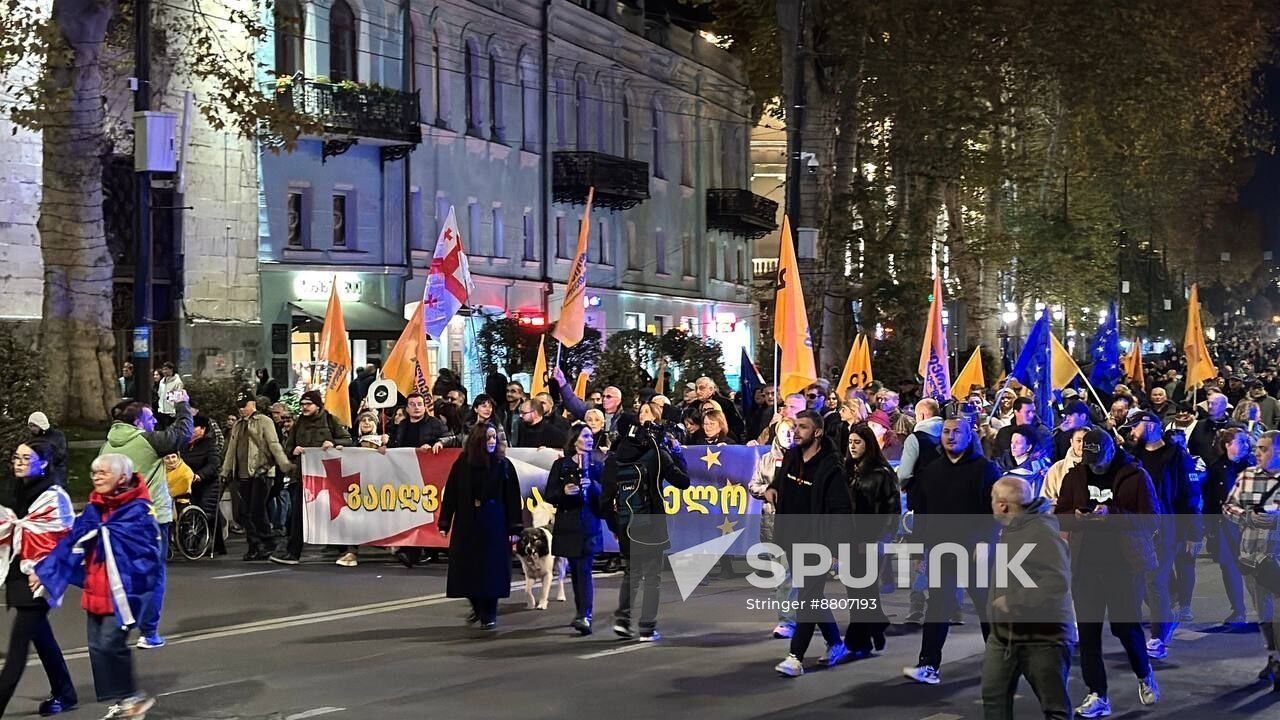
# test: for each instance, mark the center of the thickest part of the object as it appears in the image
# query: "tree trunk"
(76, 338)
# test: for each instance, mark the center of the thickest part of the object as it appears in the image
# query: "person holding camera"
(644, 457)
(1254, 505)
(573, 487)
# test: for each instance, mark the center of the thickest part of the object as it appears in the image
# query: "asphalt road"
(380, 641)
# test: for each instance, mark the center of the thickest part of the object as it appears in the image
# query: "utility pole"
(795, 119)
(142, 279)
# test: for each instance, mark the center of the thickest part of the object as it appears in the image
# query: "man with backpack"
(253, 455)
(644, 457)
(920, 448)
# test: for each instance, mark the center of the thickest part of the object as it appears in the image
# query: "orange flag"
(848, 375)
(970, 375)
(791, 321)
(539, 382)
(335, 352)
(580, 387)
(570, 326)
(1199, 364)
(864, 362)
(934, 366)
(408, 365)
(1132, 365)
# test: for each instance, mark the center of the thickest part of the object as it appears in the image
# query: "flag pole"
(1095, 392)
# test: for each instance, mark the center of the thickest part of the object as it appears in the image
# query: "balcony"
(620, 184)
(381, 114)
(764, 268)
(741, 212)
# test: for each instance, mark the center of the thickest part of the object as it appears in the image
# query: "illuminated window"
(342, 42)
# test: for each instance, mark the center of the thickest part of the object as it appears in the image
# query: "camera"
(810, 162)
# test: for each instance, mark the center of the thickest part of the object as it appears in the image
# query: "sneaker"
(54, 705)
(925, 674)
(150, 642)
(651, 635)
(491, 625)
(915, 617)
(1094, 706)
(958, 618)
(1148, 690)
(622, 629)
(347, 559)
(473, 618)
(1185, 615)
(284, 559)
(835, 655)
(790, 667)
(1235, 619)
(134, 708)
(1156, 649)
(784, 631)
(582, 625)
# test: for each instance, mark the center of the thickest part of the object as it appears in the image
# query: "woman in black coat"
(481, 513)
(31, 621)
(876, 508)
(573, 487)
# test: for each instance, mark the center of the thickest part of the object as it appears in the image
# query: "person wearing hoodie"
(1053, 477)
(644, 457)
(1032, 628)
(1234, 457)
(1109, 506)
(921, 447)
(956, 484)
(766, 468)
(114, 553)
(809, 484)
(32, 522)
(134, 435)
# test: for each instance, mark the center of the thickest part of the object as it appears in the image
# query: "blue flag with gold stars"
(717, 501)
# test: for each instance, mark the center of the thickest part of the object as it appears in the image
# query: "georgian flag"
(449, 282)
(31, 538)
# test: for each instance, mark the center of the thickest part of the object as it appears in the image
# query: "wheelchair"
(191, 533)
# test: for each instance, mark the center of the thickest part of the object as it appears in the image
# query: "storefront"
(294, 302)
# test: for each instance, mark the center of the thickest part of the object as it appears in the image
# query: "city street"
(379, 641)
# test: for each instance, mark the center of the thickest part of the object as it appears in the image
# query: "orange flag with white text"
(573, 313)
(335, 352)
(791, 321)
(408, 365)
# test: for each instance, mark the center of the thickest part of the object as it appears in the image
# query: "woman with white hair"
(113, 551)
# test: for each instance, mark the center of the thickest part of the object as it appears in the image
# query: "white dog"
(536, 558)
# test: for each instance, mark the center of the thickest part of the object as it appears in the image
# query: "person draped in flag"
(114, 553)
(31, 523)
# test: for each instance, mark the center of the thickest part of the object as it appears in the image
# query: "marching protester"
(1234, 457)
(114, 552)
(1254, 506)
(32, 522)
(134, 435)
(252, 459)
(267, 386)
(170, 383)
(1075, 415)
(1024, 415)
(1108, 505)
(644, 457)
(42, 430)
(482, 514)
(921, 447)
(422, 431)
(1200, 440)
(1052, 486)
(1268, 408)
(766, 467)
(1023, 460)
(1033, 628)
(877, 504)
(809, 485)
(315, 428)
(573, 487)
(536, 430)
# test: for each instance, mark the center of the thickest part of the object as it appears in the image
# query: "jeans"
(31, 627)
(110, 658)
(294, 544)
(1119, 592)
(583, 584)
(1265, 602)
(1045, 665)
(641, 573)
(786, 596)
(812, 618)
(254, 493)
(1224, 543)
(943, 605)
(153, 602)
(1160, 582)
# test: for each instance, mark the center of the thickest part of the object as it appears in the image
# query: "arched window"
(659, 138)
(497, 124)
(626, 127)
(473, 90)
(342, 42)
(529, 106)
(438, 94)
(583, 113)
(289, 32)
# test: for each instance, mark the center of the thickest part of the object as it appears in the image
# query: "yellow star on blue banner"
(727, 526)
(711, 458)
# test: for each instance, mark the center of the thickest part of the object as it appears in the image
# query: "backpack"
(930, 450)
(633, 495)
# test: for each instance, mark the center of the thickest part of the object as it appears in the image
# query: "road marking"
(617, 651)
(200, 687)
(248, 574)
(314, 713)
(943, 716)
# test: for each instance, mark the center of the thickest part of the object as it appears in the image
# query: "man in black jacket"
(1201, 440)
(706, 390)
(810, 484)
(956, 484)
(536, 429)
(201, 454)
(422, 431)
(643, 458)
(1179, 523)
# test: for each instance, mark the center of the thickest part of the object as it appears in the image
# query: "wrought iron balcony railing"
(360, 111)
(620, 183)
(741, 212)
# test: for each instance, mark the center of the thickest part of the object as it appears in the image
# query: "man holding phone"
(1109, 506)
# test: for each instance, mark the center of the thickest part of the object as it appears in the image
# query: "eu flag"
(1106, 372)
(1034, 368)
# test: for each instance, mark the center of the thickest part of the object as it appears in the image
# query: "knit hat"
(39, 419)
(314, 397)
(880, 418)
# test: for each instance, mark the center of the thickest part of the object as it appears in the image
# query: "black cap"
(1075, 408)
(1145, 416)
(244, 397)
(1099, 447)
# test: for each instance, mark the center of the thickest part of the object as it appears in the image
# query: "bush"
(21, 389)
(214, 397)
(625, 362)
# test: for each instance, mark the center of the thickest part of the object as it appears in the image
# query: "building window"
(660, 250)
(602, 242)
(686, 151)
(530, 240)
(297, 227)
(626, 127)
(602, 125)
(342, 42)
(497, 126)
(634, 321)
(437, 88)
(582, 112)
(686, 252)
(341, 228)
(471, 76)
(529, 104)
(729, 155)
(562, 244)
(410, 51)
(499, 230)
(417, 241)
(713, 164)
(562, 139)
(635, 253)
(289, 31)
(689, 324)
(658, 140)
(659, 325)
